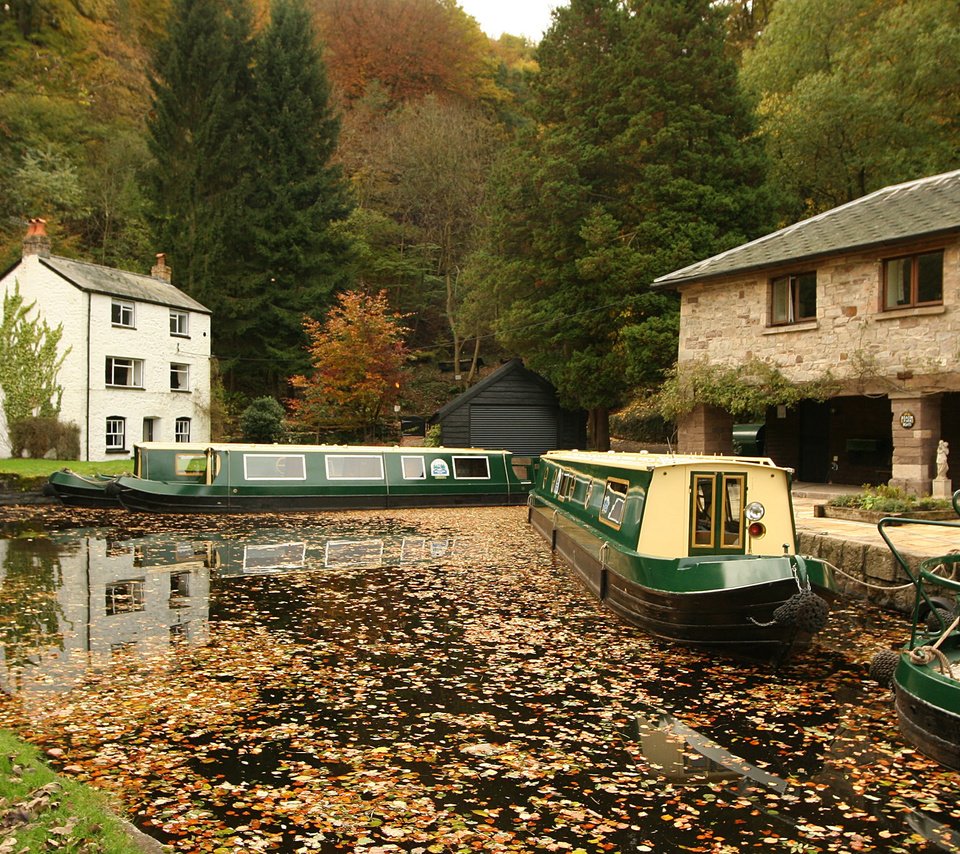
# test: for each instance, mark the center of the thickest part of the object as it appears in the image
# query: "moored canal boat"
(222, 478)
(695, 549)
(78, 490)
(925, 672)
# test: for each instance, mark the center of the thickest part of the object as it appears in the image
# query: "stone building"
(865, 296)
(137, 365)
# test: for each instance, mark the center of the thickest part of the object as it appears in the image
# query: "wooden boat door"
(716, 513)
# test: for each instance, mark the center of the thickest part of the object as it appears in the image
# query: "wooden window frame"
(793, 284)
(913, 301)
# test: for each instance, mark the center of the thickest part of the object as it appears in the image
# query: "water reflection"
(66, 598)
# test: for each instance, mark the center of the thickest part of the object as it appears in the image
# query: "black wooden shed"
(513, 409)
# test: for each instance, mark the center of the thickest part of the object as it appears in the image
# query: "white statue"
(943, 450)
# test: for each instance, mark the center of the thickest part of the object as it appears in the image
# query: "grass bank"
(38, 807)
(27, 469)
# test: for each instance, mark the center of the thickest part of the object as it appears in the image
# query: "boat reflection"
(684, 755)
(68, 598)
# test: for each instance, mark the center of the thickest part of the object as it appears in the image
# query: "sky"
(529, 18)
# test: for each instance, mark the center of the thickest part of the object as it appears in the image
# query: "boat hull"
(928, 705)
(737, 616)
(74, 490)
(216, 501)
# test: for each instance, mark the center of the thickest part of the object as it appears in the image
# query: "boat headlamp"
(754, 511)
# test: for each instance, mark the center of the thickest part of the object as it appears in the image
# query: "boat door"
(716, 512)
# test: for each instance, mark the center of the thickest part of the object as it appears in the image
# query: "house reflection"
(62, 602)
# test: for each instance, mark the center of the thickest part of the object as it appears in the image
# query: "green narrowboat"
(925, 672)
(78, 490)
(700, 550)
(221, 478)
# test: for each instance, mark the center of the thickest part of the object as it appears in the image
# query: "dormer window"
(912, 281)
(793, 298)
(122, 313)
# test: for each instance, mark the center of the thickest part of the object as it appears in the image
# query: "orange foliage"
(412, 47)
(358, 358)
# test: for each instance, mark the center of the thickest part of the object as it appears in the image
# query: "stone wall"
(727, 322)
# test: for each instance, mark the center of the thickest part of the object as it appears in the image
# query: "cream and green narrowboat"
(700, 550)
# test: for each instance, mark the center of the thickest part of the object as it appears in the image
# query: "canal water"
(433, 681)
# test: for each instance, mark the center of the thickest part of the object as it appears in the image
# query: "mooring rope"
(867, 583)
(923, 655)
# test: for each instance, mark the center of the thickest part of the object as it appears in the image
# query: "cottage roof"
(514, 365)
(121, 283)
(926, 207)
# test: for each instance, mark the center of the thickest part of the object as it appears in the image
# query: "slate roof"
(121, 283)
(514, 365)
(922, 208)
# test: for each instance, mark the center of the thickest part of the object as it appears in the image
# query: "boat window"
(614, 500)
(581, 490)
(471, 468)
(567, 483)
(354, 467)
(703, 514)
(274, 467)
(732, 511)
(522, 467)
(414, 468)
(186, 464)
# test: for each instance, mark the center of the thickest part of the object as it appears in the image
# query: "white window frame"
(124, 309)
(133, 366)
(178, 433)
(277, 457)
(423, 467)
(329, 457)
(179, 323)
(486, 460)
(114, 421)
(182, 371)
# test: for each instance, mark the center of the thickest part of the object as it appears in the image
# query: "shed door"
(520, 429)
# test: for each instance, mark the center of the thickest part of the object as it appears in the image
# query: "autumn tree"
(855, 95)
(642, 163)
(411, 48)
(357, 356)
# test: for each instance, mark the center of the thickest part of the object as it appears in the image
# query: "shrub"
(888, 499)
(262, 421)
(433, 435)
(39, 436)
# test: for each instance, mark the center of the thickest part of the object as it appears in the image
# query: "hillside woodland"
(500, 198)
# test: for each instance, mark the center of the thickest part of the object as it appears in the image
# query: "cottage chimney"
(36, 241)
(160, 270)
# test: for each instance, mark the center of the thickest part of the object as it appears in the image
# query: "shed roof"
(514, 365)
(120, 283)
(926, 207)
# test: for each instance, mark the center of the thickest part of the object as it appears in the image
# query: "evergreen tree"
(200, 86)
(291, 248)
(642, 163)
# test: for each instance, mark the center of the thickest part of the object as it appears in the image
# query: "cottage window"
(124, 372)
(471, 468)
(793, 298)
(121, 313)
(913, 280)
(354, 467)
(179, 323)
(122, 597)
(414, 468)
(181, 430)
(116, 433)
(613, 502)
(179, 377)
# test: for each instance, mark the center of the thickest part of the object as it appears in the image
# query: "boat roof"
(250, 447)
(644, 461)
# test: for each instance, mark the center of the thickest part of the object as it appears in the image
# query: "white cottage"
(138, 367)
